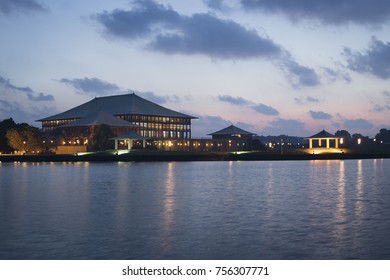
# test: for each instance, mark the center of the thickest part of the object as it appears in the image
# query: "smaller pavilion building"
(323, 140)
(231, 132)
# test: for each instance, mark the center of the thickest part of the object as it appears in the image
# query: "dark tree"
(5, 125)
(383, 136)
(100, 138)
(360, 140)
(24, 138)
(345, 135)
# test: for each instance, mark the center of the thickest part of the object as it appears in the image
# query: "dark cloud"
(219, 5)
(265, 109)
(141, 21)
(91, 86)
(258, 107)
(23, 111)
(169, 32)
(12, 6)
(297, 74)
(312, 99)
(159, 99)
(336, 74)
(207, 124)
(224, 39)
(381, 108)
(375, 60)
(32, 96)
(357, 124)
(40, 97)
(332, 12)
(319, 115)
(308, 99)
(234, 100)
(290, 127)
(162, 29)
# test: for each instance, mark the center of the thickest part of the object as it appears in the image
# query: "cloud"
(265, 109)
(338, 12)
(357, 124)
(40, 97)
(312, 99)
(287, 127)
(169, 32)
(91, 86)
(32, 96)
(234, 100)
(297, 74)
(208, 124)
(381, 108)
(11, 6)
(258, 107)
(308, 99)
(98, 87)
(219, 5)
(384, 104)
(23, 104)
(159, 99)
(319, 115)
(374, 61)
(139, 22)
(335, 74)
(162, 29)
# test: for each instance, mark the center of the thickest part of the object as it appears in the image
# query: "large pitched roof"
(117, 105)
(323, 134)
(99, 118)
(128, 135)
(231, 130)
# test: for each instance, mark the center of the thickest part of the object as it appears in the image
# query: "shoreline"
(161, 156)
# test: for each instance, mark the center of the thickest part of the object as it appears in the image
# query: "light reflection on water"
(195, 210)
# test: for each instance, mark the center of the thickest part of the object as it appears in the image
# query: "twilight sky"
(269, 66)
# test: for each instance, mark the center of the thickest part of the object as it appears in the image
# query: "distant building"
(323, 142)
(154, 121)
(137, 124)
(232, 133)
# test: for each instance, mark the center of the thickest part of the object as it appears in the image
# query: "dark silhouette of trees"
(5, 125)
(24, 138)
(360, 140)
(345, 135)
(383, 136)
(100, 138)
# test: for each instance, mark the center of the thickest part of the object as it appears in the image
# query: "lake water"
(196, 210)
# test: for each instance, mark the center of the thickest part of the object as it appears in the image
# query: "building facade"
(153, 121)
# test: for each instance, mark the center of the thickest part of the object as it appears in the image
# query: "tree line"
(23, 137)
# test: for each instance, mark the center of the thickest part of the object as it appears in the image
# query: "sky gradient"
(268, 66)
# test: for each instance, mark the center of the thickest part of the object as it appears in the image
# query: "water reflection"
(169, 205)
(270, 186)
(340, 210)
(274, 210)
(359, 192)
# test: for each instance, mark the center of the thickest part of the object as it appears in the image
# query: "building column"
(143, 144)
(319, 142)
(129, 144)
(337, 142)
(310, 143)
(327, 143)
(116, 144)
